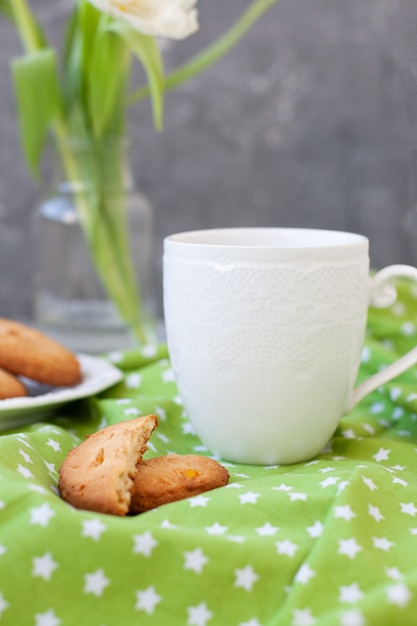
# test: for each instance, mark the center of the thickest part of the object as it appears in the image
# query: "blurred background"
(307, 122)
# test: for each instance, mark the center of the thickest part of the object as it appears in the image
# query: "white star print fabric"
(330, 542)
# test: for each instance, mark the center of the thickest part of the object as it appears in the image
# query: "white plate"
(97, 375)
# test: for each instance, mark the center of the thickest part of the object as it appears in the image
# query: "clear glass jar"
(70, 302)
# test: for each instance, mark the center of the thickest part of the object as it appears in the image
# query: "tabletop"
(329, 542)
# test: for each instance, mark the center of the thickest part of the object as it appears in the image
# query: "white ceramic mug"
(265, 329)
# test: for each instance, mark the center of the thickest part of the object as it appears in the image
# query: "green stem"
(212, 53)
(28, 30)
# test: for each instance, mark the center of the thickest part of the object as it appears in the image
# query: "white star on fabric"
(413, 531)
(23, 439)
(188, 429)
(316, 530)
(37, 488)
(133, 380)
(236, 538)
(24, 471)
(163, 437)
(382, 543)
(296, 495)
(195, 560)
(41, 515)
(283, 487)
(248, 498)
(394, 573)
(2, 504)
(331, 480)
(325, 470)
(267, 529)
(409, 508)
(115, 356)
(198, 501)
(251, 622)
(95, 583)
(369, 483)
(48, 618)
(302, 617)
(399, 594)
(381, 455)
(286, 547)
(344, 512)
(50, 467)
(147, 599)
(167, 524)
(349, 547)
(55, 445)
(144, 543)
(399, 468)
(149, 350)
(304, 574)
(161, 413)
(369, 429)
(375, 513)
(216, 529)
(93, 528)
(349, 433)
(400, 481)
(397, 413)
(168, 376)
(3, 604)
(354, 617)
(342, 485)
(25, 455)
(377, 407)
(3, 549)
(132, 410)
(395, 393)
(198, 615)
(44, 566)
(246, 578)
(350, 593)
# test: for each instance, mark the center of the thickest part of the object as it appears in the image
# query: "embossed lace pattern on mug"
(266, 311)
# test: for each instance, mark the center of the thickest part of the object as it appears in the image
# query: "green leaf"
(147, 51)
(212, 53)
(107, 76)
(71, 59)
(6, 9)
(37, 93)
(27, 26)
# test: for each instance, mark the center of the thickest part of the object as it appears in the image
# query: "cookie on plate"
(174, 477)
(10, 386)
(28, 352)
(98, 474)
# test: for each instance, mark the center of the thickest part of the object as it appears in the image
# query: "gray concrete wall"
(303, 124)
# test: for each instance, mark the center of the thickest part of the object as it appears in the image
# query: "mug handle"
(383, 294)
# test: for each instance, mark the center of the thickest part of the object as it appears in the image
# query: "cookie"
(10, 386)
(174, 477)
(98, 474)
(28, 352)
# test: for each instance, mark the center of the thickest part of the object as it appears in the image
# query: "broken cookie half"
(98, 475)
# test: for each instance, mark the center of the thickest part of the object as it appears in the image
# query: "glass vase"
(70, 300)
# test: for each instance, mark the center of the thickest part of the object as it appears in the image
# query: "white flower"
(162, 18)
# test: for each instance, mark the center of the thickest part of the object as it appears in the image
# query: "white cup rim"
(267, 238)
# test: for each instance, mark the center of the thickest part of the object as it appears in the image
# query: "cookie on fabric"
(26, 351)
(166, 479)
(11, 386)
(98, 474)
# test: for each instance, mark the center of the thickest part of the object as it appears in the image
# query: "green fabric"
(332, 542)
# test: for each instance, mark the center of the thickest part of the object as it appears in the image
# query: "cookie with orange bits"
(26, 351)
